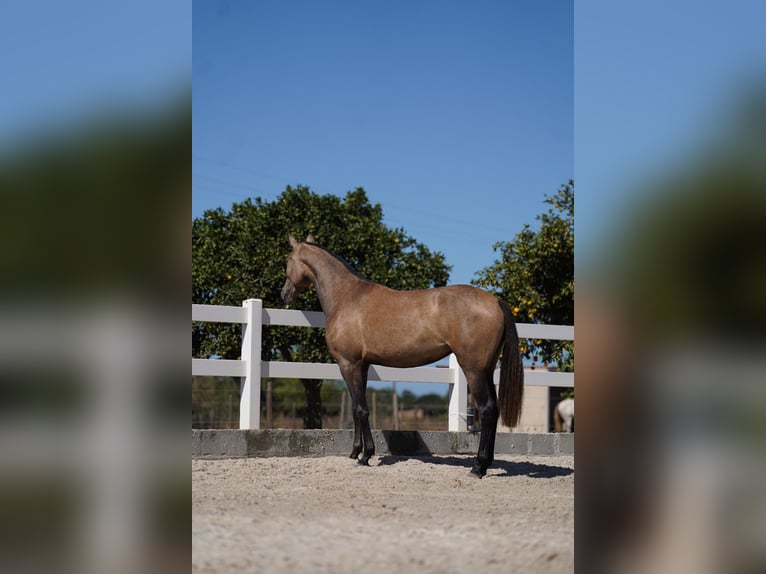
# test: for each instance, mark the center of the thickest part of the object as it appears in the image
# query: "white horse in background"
(563, 416)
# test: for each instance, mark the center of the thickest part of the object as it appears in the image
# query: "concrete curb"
(286, 442)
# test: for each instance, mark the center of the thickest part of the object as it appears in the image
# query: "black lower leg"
(357, 448)
(486, 455)
(357, 445)
(355, 375)
(366, 434)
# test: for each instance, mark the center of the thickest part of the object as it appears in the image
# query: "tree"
(240, 254)
(535, 275)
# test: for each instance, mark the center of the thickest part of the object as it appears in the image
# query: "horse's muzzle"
(289, 293)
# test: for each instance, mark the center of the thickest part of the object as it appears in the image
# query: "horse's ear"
(292, 241)
(310, 238)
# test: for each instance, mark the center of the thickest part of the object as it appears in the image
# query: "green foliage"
(433, 403)
(535, 275)
(407, 398)
(286, 392)
(331, 396)
(98, 209)
(687, 265)
(211, 397)
(240, 254)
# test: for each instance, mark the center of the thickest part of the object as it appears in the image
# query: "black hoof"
(363, 462)
(355, 453)
(478, 472)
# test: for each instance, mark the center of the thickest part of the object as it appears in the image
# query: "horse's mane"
(341, 260)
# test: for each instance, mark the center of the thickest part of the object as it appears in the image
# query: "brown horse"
(368, 323)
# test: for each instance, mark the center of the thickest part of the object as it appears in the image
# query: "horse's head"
(298, 273)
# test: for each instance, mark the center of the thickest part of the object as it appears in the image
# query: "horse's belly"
(406, 357)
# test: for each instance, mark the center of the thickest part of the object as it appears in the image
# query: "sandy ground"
(402, 514)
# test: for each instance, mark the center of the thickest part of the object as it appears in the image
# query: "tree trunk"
(313, 417)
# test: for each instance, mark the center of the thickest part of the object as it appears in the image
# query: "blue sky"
(456, 117)
(66, 63)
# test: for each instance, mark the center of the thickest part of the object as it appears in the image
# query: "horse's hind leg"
(355, 376)
(483, 391)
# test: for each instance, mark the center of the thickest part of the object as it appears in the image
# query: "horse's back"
(451, 304)
(468, 307)
(407, 328)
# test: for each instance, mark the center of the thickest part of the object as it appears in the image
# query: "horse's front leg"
(357, 445)
(355, 375)
(368, 445)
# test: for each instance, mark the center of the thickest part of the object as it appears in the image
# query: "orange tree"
(535, 275)
(241, 254)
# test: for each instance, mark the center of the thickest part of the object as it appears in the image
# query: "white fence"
(251, 368)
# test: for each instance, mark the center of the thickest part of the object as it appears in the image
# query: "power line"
(237, 167)
(216, 190)
(229, 183)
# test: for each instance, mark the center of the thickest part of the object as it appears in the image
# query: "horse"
(368, 323)
(563, 416)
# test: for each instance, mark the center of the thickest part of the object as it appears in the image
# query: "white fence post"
(250, 401)
(458, 397)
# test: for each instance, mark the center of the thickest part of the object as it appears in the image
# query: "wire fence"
(217, 406)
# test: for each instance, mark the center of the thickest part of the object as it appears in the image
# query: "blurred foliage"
(692, 261)
(99, 209)
(535, 276)
(241, 254)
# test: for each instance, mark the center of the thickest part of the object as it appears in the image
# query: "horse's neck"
(333, 281)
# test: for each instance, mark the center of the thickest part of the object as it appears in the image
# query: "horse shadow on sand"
(508, 468)
(410, 445)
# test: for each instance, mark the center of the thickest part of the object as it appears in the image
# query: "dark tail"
(511, 372)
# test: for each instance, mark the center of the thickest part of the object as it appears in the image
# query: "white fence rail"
(251, 368)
